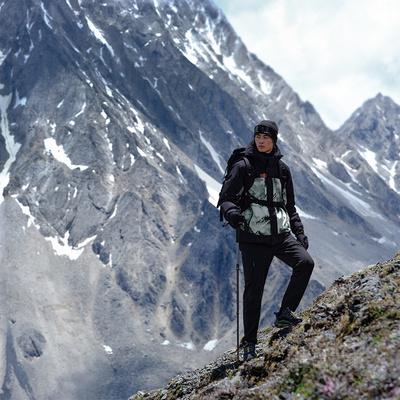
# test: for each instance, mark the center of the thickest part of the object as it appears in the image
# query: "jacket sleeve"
(295, 221)
(232, 189)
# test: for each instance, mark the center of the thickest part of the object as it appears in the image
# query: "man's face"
(263, 142)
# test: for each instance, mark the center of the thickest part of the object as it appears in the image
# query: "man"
(258, 201)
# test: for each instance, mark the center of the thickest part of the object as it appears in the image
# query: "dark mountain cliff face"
(117, 119)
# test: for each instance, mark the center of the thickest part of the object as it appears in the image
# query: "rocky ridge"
(347, 347)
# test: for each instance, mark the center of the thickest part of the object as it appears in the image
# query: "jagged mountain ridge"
(373, 128)
(118, 108)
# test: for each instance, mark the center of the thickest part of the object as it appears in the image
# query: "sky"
(336, 54)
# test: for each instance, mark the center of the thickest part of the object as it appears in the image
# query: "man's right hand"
(303, 240)
(235, 218)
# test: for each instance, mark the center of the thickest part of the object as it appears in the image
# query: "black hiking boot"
(286, 319)
(249, 351)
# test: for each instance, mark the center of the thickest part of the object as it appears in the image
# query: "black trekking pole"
(237, 294)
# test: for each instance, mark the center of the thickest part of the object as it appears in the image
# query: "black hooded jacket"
(264, 195)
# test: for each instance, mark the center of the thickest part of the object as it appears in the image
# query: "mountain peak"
(378, 107)
(347, 346)
(374, 131)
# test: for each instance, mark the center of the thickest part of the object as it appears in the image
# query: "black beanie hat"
(269, 128)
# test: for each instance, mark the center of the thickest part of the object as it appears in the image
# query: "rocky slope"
(347, 347)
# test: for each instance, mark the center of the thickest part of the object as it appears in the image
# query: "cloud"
(334, 54)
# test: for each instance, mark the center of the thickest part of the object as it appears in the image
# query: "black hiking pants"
(257, 259)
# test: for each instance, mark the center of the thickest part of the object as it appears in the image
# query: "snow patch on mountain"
(370, 157)
(304, 214)
(31, 220)
(62, 248)
(189, 51)
(188, 345)
(2, 57)
(47, 18)
(19, 101)
(213, 187)
(59, 154)
(213, 153)
(209, 346)
(99, 36)
(320, 164)
(362, 207)
(392, 177)
(60, 244)
(107, 349)
(11, 146)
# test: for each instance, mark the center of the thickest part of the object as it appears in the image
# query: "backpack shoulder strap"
(247, 163)
(283, 173)
(249, 172)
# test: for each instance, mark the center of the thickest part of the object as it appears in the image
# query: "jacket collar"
(251, 151)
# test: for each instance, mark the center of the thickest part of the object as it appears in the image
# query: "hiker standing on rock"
(257, 199)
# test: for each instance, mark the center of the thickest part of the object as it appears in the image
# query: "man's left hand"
(303, 240)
